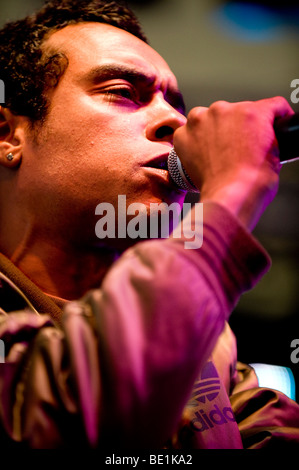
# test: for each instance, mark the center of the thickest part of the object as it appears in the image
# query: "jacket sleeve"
(267, 419)
(121, 367)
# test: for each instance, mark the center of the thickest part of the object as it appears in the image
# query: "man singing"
(124, 342)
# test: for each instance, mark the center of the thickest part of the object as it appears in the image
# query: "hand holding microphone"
(287, 134)
(232, 153)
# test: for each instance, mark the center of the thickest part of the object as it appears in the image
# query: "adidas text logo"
(204, 421)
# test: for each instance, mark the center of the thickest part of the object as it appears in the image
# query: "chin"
(167, 196)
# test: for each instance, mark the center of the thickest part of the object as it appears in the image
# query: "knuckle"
(219, 107)
(283, 104)
(247, 112)
(250, 111)
(194, 116)
(278, 104)
(281, 100)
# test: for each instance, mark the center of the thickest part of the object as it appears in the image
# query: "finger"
(195, 115)
(278, 106)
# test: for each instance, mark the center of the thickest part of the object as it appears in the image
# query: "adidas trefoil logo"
(208, 387)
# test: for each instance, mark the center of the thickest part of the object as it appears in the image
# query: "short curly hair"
(27, 71)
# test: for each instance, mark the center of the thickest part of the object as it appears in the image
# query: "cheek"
(104, 136)
(88, 154)
(80, 165)
(92, 123)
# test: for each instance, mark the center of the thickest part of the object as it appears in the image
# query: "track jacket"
(147, 360)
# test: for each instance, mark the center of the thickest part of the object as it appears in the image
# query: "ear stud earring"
(9, 157)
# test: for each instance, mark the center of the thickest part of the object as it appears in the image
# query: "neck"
(61, 270)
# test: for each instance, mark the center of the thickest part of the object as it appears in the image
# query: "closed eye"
(118, 93)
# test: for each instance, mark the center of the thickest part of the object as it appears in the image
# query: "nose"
(164, 119)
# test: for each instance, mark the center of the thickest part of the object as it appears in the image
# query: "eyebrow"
(112, 71)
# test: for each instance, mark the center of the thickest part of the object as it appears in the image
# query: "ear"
(10, 139)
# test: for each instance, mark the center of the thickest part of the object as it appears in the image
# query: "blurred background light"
(255, 21)
(277, 378)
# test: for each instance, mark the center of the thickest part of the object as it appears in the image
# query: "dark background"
(237, 51)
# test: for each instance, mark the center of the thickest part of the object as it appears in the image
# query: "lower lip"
(163, 176)
(159, 173)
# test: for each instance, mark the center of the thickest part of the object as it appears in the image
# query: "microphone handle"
(287, 135)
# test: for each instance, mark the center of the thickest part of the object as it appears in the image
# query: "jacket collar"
(11, 297)
(18, 292)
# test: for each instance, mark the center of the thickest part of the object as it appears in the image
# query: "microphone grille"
(179, 174)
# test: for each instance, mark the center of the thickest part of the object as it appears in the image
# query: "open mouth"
(160, 164)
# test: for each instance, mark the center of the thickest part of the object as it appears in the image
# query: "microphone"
(287, 134)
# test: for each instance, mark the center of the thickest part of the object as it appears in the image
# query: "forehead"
(90, 44)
